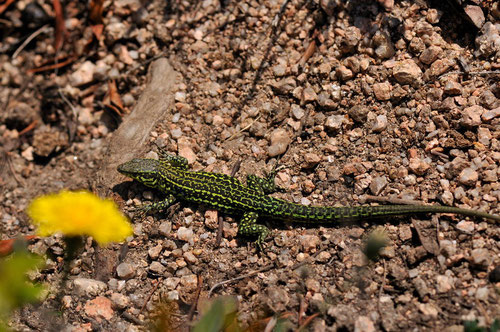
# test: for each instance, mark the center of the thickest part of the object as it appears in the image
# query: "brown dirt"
(362, 99)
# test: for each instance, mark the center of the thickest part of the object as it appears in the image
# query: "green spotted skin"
(170, 175)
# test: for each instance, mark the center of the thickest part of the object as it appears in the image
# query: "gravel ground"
(358, 100)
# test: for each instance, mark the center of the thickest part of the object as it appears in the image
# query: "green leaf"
(495, 326)
(15, 288)
(220, 316)
(471, 326)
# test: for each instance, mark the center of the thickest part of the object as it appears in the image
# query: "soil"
(360, 100)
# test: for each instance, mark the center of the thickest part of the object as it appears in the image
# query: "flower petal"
(79, 213)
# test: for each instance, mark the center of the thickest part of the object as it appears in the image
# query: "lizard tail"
(321, 214)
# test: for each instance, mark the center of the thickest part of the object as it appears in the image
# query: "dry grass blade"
(307, 322)
(50, 65)
(4, 6)
(60, 25)
(29, 39)
(96, 9)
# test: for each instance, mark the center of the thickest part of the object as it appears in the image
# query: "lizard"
(170, 175)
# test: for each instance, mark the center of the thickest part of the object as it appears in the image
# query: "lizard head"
(146, 171)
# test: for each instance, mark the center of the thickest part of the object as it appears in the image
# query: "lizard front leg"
(248, 227)
(157, 206)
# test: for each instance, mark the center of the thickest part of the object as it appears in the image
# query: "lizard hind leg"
(260, 185)
(266, 185)
(248, 227)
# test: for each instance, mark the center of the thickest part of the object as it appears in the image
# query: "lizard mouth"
(122, 168)
(142, 170)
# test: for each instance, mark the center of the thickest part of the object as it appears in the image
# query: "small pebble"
(323, 257)
(99, 308)
(364, 324)
(157, 268)
(185, 234)
(471, 116)
(189, 281)
(380, 123)
(297, 112)
(279, 69)
(407, 72)
(165, 228)
(180, 96)
(184, 149)
(155, 251)
(308, 95)
(311, 160)
(453, 88)
(176, 133)
(279, 142)
(482, 294)
(405, 233)
(428, 309)
(312, 285)
(120, 301)
(378, 184)
(481, 257)
(358, 113)
(418, 166)
(448, 248)
(468, 177)
(430, 54)
(125, 271)
(190, 258)
(309, 242)
(84, 74)
(382, 91)
(344, 73)
(489, 115)
(466, 226)
(484, 136)
(88, 287)
(171, 283)
(443, 283)
(334, 122)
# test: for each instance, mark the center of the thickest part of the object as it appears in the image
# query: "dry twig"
(217, 285)
(150, 295)
(196, 299)
(233, 136)
(29, 39)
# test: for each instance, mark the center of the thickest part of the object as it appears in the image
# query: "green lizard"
(171, 176)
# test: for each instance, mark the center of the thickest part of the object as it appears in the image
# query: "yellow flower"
(79, 213)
